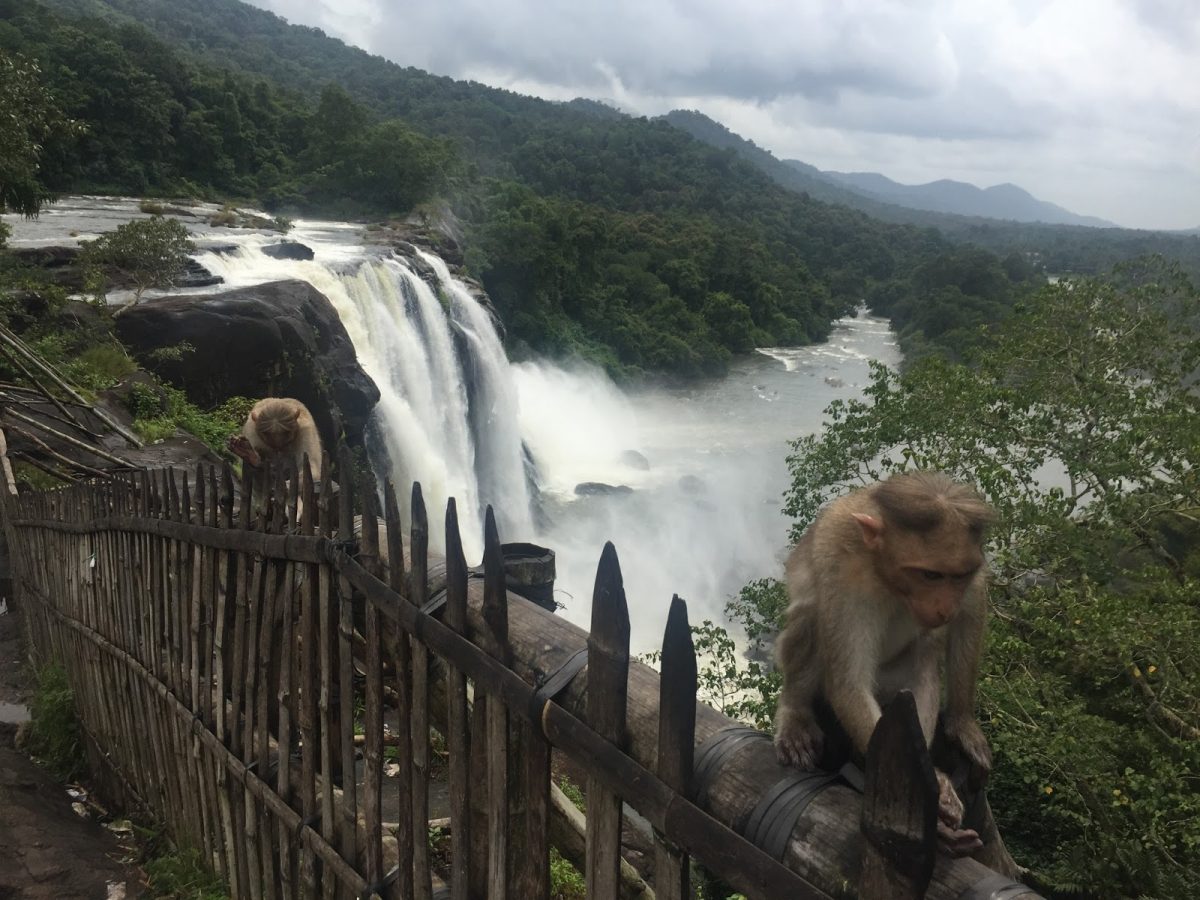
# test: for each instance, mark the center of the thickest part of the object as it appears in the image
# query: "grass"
(55, 739)
(174, 873)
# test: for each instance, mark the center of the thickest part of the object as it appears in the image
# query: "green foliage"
(176, 873)
(158, 415)
(31, 116)
(55, 738)
(566, 882)
(174, 353)
(573, 793)
(1077, 421)
(146, 252)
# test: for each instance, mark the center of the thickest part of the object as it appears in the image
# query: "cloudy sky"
(1091, 104)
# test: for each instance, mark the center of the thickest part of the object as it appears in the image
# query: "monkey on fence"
(279, 430)
(885, 585)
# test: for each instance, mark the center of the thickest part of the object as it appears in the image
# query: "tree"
(29, 116)
(146, 253)
(1078, 419)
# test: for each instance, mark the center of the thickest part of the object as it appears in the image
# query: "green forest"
(624, 240)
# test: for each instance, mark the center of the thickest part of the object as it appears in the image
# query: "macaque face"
(931, 572)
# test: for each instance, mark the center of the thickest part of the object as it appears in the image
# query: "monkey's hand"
(954, 840)
(239, 445)
(965, 732)
(798, 739)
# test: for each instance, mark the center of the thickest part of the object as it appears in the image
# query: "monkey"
(279, 429)
(887, 582)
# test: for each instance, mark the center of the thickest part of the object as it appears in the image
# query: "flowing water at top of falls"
(706, 463)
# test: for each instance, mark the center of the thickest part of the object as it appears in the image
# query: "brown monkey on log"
(279, 429)
(885, 584)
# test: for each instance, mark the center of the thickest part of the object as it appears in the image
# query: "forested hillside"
(624, 239)
(1057, 249)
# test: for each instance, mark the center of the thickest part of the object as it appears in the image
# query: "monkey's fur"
(279, 430)
(887, 583)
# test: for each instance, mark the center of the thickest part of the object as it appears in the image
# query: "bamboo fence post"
(418, 593)
(402, 683)
(285, 696)
(459, 738)
(330, 715)
(495, 642)
(899, 813)
(373, 710)
(309, 663)
(676, 743)
(608, 672)
(346, 700)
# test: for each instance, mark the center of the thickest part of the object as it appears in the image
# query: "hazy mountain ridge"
(1000, 201)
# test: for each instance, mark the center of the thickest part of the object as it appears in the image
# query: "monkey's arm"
(240, 446)
(964, 647)
(850, 645)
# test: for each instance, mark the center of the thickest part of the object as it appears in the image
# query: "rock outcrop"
(279, 339)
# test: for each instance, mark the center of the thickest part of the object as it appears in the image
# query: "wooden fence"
(235, 650)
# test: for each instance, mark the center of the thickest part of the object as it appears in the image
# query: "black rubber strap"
(771, 822)
(557, 681)
(714, 752)
(853, 776)
(383, 885)
(994, 887)
(434, 604)
(306, 823)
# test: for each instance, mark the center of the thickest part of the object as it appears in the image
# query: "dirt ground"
(46, 849)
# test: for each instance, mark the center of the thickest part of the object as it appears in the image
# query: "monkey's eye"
(931, 574)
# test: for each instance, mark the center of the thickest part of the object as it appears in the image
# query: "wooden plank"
(494, 639)
(458, 739)
(676, 743)
(373, 709)
(899, 813)
(608, 674)
(402, 684)
(418, 595)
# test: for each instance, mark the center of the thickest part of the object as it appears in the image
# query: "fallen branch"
(7, 337)
(50, 451)
(67, 439)
(1156, 709)
(10, 482)
(41, 388)
(28, 404)
(45, 467)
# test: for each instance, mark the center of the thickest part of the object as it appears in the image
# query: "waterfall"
(447, 413)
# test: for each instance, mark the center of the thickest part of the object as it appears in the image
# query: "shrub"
(55, 738)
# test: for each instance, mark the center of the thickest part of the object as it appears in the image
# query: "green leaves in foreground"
(1078, 418)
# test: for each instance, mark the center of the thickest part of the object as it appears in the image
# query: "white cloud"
(1092, 104)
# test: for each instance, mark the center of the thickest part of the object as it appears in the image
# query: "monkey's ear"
(253, 415)
(872, 530)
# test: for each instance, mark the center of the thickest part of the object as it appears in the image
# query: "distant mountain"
(1001, 201)
(1085, 249)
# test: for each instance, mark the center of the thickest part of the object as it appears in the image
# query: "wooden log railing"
(227, 665)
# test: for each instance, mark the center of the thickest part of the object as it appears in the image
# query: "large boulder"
(281, 339)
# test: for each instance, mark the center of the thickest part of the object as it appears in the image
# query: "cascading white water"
(447, 409)
(495, 421)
